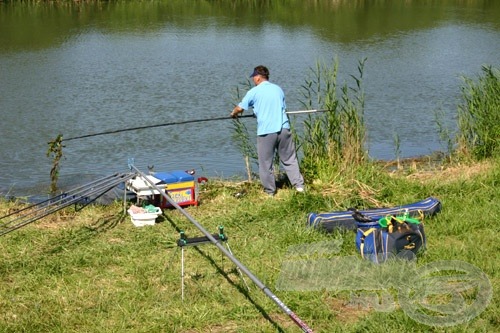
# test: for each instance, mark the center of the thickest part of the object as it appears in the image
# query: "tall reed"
(335, 139)
(479, 115)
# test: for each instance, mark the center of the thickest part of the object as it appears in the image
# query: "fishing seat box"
(180, 186)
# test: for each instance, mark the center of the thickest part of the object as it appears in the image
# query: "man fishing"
(273, 130)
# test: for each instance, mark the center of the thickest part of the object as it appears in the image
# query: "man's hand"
(237, 110)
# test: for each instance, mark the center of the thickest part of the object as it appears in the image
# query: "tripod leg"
(182, 274)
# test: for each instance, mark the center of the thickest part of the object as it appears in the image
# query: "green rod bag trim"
(384, 222)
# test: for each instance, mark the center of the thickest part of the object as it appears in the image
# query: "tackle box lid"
(173, 176)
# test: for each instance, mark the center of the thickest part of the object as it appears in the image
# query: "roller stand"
(196, 241)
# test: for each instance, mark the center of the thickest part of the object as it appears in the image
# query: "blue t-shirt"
(268, 102)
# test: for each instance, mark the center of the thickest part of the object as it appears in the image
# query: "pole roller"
(217, 243)
(306, 111)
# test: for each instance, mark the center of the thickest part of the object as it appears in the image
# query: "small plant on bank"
(55, 151)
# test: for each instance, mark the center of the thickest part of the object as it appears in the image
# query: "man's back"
(268, 102)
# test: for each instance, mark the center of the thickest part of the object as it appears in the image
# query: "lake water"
(82, 69)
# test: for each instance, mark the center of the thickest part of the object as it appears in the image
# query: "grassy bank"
(93, 271)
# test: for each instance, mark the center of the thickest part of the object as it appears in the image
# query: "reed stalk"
(241, 135)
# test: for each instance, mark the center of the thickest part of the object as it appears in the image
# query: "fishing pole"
(228, 254)
(151, 126)
(179, 123)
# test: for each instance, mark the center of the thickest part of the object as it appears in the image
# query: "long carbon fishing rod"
(83, 195)
(228, 254)
(179, 123)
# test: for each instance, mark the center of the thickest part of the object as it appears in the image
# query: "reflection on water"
(81, 69)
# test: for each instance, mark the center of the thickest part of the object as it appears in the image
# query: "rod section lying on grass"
(217, 243)
(82, 195)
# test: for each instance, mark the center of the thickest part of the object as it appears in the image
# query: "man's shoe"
(300, 189)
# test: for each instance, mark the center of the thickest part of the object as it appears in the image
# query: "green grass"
(93, 271)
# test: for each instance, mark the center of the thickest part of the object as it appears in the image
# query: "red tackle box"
(180, 186)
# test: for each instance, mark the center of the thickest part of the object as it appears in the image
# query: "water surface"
(82, 69)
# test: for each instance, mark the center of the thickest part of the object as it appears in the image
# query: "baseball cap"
(260, 70)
